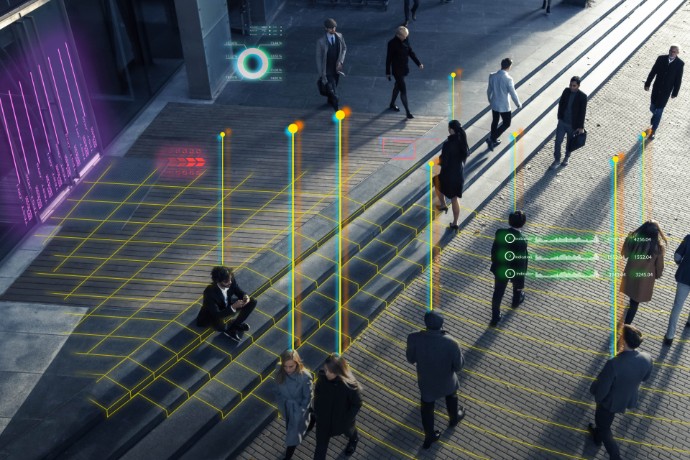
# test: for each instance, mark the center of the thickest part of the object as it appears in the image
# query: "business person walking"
(682, 258)
(399, 52)
(500, 87)
(616, 388)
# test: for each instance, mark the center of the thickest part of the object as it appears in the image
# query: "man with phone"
(218, 304)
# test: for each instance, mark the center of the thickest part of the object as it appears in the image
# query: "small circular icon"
(510, 255)
(510, 273)
(293, 128)
(509, 237)
(252, 53)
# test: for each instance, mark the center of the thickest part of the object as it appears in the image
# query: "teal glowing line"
(642, 168)
(614, 242)
(431, 237)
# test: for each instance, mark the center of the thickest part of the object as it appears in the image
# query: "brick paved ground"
(525, 384)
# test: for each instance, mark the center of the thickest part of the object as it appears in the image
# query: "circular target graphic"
(253, 74)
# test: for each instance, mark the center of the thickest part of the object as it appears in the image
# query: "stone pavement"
(473, 35)
(525, 384)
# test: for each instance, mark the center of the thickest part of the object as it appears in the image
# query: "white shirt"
(225, 297)
(670, 60)
(331, 38)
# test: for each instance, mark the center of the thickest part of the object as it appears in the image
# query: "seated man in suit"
(616, 387)
(218, 304)
(509, 259)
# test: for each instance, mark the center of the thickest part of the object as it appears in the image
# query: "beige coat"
(640, 273)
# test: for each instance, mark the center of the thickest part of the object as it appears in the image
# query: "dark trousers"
(401, 88)
(242, 315)
(428, 413)
(322, 441)
(656, 115)
(496, 130)
(333, 84)
(500, 290)
(563, 130)
(603, 420)
(632, 311)
(415, 5)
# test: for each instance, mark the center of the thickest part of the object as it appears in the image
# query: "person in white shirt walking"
(500, 87)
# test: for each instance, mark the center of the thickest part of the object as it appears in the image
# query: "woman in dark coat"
(451, 180)
(337, 400)
(399, 52)
(644, 248)
(294, 398)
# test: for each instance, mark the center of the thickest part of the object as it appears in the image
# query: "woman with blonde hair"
(294, 398)
(645, 249)
(337, 400)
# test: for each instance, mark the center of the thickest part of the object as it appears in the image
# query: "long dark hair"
(646, 240)
(337, 365)
(457, 128)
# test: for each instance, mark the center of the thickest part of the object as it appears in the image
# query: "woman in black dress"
(337, 400)
(451, 180)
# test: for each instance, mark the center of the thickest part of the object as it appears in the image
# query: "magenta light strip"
(57, 92)
(69, 91)
(76, 83)
(40, 112)
(9, 140)
(19, 131)
(45, 92)
(31, 128)
(57, 138)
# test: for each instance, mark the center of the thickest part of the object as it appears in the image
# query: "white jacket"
(500, 86)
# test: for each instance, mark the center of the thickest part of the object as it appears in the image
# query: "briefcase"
(576, 141)
(325, 89)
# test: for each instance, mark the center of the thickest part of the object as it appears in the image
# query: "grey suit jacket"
(500, 87)
(616, 387)
(322, 51)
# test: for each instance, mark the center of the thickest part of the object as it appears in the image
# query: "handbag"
(576, 141)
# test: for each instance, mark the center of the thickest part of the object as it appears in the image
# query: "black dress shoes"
(429, 441)
(495, 321)
(394, 108)
(595, 436)
(458, 417)
(409, 115)
(519, 301)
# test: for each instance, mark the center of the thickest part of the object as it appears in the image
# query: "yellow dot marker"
(615, 159)
(644, 133)
(339, 114)
(431, 164)
(515, 134)
(452, 74)
(293, 128)
(222, 134)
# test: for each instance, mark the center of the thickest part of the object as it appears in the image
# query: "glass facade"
(73, 73)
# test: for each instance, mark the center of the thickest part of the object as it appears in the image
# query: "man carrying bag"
(330, 56)
(572, 108)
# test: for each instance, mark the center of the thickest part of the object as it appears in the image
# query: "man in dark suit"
(438, 359)
(682, 258)
(509, 260)
(616, 387)
(330, 57)
(572, 108)
(218, 304)
(667, 74)
(399, 51)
